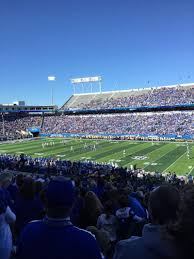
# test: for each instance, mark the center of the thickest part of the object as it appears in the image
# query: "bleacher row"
(169, 95)
(156, 123)
(180, 123)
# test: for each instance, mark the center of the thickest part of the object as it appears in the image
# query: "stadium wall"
(123, 136)
(181, 107)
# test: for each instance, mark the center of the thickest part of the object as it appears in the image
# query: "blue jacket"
(152, 245)
(137, 207)
(56, 239)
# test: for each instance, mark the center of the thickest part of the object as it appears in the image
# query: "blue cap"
(60, 193)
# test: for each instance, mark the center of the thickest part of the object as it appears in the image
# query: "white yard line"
(174, 162)
(155, 141)
(190, 171)
(157, 158)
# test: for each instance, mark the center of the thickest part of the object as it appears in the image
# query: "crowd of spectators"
(159, 123)
(11, 125)
(179, 123)
(85, 210)
(154, 97)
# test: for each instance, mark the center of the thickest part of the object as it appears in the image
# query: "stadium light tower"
(51, 78)
(86, 80)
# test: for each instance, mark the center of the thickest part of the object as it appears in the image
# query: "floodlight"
(51, 78)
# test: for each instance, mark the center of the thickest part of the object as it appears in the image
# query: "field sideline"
(158, 156)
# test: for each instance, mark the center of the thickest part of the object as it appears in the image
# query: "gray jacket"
(151, 245)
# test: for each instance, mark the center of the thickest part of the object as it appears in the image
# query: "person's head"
(124, 201)
(92, 183)
(128, 190)
(113, 195)
(27, 188)
(59, 197)
(92, 200)
(38, 185)
(5, 180)
(182, 230)
(163, 205)
(19, 180)
(108, 208)
(100, 182)
(140, 196)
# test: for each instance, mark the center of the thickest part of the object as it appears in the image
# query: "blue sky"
(127, 42)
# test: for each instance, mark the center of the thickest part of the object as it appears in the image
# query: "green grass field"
(158, 156)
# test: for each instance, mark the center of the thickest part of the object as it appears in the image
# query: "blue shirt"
(137, 207)
(56, 239)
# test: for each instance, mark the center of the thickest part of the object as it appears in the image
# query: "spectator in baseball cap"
(55, 236)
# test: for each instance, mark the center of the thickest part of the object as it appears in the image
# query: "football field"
(157, 156)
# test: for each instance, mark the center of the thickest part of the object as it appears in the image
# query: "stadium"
(103, 140)
(150, 129)
(97, 129)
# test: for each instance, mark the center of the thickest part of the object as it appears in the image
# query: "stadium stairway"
(42, 122)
